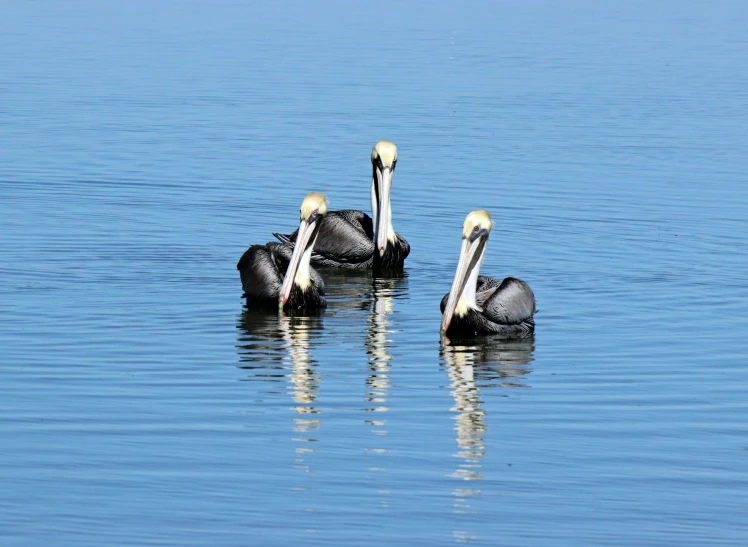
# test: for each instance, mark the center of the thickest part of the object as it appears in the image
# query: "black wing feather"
(508, 307)
(512, 301)
(261, 269)
(345, 238)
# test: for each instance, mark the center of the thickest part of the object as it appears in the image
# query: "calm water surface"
(145, 145)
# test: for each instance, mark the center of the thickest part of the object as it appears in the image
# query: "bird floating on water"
(276, 274)
(350, 238)
(479, 304)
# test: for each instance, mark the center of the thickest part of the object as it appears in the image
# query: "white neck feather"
(375, 214)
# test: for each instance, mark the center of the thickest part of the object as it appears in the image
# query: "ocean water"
(145, 145)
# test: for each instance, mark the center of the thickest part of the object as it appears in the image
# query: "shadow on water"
(473, 365)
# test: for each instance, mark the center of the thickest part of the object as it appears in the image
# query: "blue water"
(145, 145)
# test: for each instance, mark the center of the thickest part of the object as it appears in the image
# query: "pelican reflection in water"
(273, 274)
(352, 239)
(479, 304)
(474, 364)
(277, 348)
(385, 292)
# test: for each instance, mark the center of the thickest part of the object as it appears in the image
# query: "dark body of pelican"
(276, 275)
(478, 304)
(350, 238)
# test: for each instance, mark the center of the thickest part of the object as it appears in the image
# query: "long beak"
(469, 256)
(306, 232)
(384, 218)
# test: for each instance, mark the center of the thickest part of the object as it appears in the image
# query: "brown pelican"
(484, 305)
(351, 239)
(274, 274)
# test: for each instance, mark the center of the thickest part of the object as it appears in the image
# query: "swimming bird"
(275, 274)
(350, 238)
(478, 304)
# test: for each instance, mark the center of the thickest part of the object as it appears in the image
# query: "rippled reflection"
(347, 291)
(280, 351)
(275, 346)
(384, 293)
(378, 344)
(473, 365)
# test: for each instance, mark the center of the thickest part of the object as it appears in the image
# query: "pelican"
(273, 273)
(484, 305)
(350, 238)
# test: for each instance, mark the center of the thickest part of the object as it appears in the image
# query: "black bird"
(484, 305)
(350, 238)
(274, 274)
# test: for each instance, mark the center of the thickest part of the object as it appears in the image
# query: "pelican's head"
(461, 298)
(383, 160)
(384, 153)
(313, 209)
(477, 222)
(314, 204)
